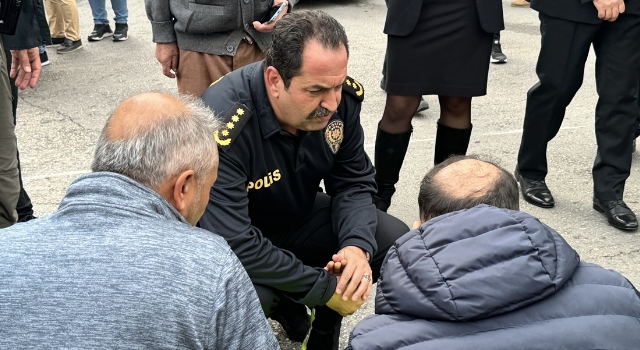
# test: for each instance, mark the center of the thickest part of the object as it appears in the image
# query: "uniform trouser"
(24, 207)
(560, 68)
(9, 183)
(314, 243)
(99, 11)
(62, 16)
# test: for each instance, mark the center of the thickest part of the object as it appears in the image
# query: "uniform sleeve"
(351, 186)
(228, 215)
(159, 13)
(238, 321)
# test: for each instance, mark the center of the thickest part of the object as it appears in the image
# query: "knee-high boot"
(390, 152)
(450, 141)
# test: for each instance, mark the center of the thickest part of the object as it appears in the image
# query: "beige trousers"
(62, 16)
(197, 70)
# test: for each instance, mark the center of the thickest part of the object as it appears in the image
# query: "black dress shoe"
(293, 318)
(535, 192)
(618, 214)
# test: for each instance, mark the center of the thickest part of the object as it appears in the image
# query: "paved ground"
(59, 121)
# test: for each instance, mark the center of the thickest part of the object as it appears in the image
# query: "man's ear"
(273, 80)
(184, 190)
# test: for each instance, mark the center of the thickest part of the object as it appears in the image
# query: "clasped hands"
(609, 10)
(352, 269)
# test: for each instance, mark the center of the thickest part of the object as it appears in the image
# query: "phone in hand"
(273, 13)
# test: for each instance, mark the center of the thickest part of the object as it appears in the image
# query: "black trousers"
(560, 68)
(314, 243)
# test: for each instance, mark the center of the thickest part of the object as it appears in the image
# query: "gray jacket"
(209, 26)
(117, 267)
(495, 279)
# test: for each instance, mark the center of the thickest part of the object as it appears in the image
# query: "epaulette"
(354, 88)
(233, 122)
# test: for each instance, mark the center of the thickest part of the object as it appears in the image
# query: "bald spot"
(468, 178)
(143, 111)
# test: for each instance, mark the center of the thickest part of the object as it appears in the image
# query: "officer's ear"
(273, 81)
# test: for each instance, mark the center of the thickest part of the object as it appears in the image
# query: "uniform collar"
(266, 117)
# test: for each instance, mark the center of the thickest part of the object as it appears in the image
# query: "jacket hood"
(473, 264)
(106, 192)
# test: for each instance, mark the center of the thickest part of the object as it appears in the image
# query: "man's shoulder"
(353, 89)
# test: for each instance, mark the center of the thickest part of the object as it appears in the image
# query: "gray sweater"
(213, 27)
(117, 267)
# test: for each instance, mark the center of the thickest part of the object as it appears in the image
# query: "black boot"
(450, 141)
(293, 318)
(325, 330)
(390, 152)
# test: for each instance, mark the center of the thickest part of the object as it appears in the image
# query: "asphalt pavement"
(59, 123)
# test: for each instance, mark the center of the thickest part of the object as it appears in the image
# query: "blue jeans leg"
(120, 9)
(98, 11)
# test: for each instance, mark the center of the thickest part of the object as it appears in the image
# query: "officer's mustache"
(320, 112)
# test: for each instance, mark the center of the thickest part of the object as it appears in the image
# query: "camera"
(9, 12)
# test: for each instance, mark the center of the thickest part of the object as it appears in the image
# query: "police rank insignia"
(333, 134)
(233, 122)
(354, 88)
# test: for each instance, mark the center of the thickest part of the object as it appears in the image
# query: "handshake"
(351, 267)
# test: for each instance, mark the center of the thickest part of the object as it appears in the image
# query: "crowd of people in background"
(249, 194)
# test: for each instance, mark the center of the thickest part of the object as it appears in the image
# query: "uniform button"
(230, 48)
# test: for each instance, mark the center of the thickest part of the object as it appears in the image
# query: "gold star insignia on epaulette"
(354, 87)
(233, 122)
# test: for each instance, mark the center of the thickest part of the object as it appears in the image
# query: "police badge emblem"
(333, 134)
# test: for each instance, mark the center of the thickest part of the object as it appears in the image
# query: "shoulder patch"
(354, 88)
(232, 124)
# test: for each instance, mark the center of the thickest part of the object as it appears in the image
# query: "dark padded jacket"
(32, 30)
(489, 278)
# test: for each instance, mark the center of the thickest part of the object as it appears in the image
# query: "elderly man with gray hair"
(119, 264)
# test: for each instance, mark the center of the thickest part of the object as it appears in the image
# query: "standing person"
(292, 122)
(22, 69)
(454, 37)
(64, 24)
(197, 43)
(119, 264)
(101, 28)
(569, 28)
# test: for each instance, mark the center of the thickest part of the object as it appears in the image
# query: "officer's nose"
(331, 99)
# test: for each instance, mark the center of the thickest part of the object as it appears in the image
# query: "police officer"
(292, 122)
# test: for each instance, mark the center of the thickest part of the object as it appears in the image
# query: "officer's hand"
(609, 10)
(344, 308)
(25, 67)
(335, 266)
(355, 281)
(268, 27)
(168, 54)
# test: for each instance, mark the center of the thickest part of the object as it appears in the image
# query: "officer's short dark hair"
(452, 186)
(293, 31)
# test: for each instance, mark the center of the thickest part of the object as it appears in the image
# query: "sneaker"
(520, 3)
(496, 53)
(70, 46)
(100, 31)
(56, 42)
(423, 106)
(293, 318)
(121, 32)
(44, 58)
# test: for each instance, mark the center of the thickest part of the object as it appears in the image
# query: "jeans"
(100, 12)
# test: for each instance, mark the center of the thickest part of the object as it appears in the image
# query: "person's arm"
(164, 35)
(351, 186)
(608, 10)
(228, 215)
(238, 321)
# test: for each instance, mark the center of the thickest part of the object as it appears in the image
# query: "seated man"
(119, 265)
(492, 278)
(292, 122)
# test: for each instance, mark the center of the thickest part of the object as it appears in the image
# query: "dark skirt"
(446, 54)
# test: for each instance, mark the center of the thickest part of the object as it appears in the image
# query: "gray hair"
(157, 151)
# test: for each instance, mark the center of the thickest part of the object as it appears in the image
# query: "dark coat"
(402, 16)
(32, 30)
(578, 10)
(489, 278)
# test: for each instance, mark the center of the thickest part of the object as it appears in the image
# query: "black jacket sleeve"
(32, 30)
(228, 215)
